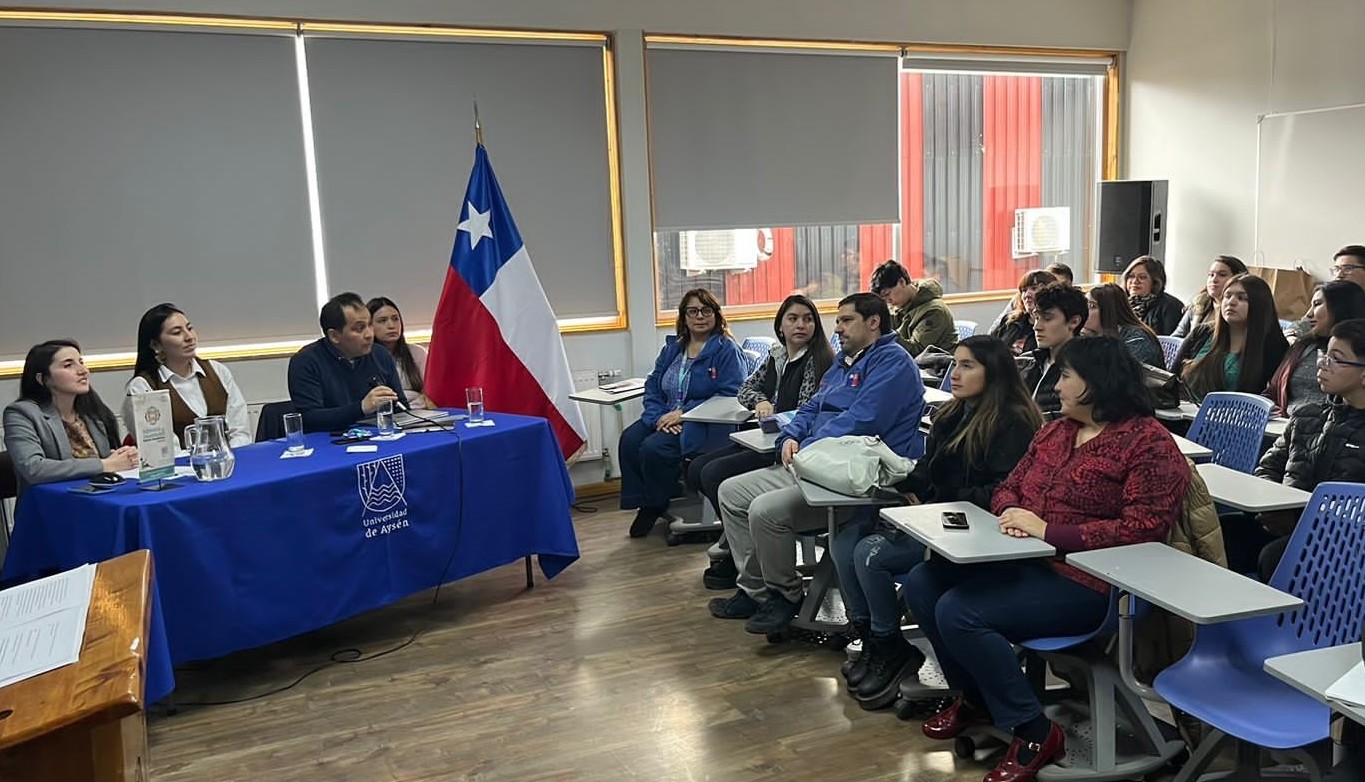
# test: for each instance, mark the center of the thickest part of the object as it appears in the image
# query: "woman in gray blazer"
(59, 429)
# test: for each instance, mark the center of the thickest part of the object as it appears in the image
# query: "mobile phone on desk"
(352, 437)
(90, 488)
(954, 519)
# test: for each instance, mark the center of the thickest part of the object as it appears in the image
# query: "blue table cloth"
(285, 546)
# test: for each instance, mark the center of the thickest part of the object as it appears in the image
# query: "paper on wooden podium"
(1350, 689)
(42, 624)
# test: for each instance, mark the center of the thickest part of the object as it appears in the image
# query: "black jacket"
(944, 476)
(1164, 315)
(1018, 335)
(1043, 387)
(1321, 443)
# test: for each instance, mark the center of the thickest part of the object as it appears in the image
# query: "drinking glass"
(293, 432)
(383, 418)
(473, 398)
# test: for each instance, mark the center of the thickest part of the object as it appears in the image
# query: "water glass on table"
(293, 432)
(383, 418)
(473, 398)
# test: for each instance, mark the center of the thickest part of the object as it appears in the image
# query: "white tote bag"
(855, 465)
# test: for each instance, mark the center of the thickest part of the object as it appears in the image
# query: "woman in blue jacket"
(698, 362)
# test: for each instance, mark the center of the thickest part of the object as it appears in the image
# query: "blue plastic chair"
(1170, 348)
(965, 328)
(1232, 425)
(760, 345)
(1222, 680)
(753, 360)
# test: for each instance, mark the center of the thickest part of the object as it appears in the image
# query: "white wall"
(1095, 24)
(1199, 74)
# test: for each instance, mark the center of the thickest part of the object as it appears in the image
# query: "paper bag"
(1293, 289)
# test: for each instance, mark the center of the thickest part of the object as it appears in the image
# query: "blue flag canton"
(487, 237)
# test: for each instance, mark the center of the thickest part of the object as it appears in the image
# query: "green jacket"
(925, 320)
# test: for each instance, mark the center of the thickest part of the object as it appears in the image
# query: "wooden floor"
(613, 671)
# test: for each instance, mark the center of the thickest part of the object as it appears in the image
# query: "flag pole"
(478, 126)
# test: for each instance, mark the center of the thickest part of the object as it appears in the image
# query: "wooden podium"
(85, 722)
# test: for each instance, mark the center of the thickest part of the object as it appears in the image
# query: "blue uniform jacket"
(880, 394)
(717, 370)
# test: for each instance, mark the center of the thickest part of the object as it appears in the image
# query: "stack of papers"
(42, 624)
(1350, 689)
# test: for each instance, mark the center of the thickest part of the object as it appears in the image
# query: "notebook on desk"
(419, 419)
(622, 386)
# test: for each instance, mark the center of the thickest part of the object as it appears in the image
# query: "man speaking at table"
(338, 379)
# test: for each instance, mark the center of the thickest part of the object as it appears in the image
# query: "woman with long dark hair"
(1243, 348)
(1296, 379)
(59, 428)
(783, 382)
(699, 360)
(1145, 281)
(411, 359)
(1105, 474)
(1016, 328)
(975, 439)
(1111, 316)
(167, 359)
(1203, 307)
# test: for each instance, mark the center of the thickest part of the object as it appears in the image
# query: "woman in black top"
(1145, 281)
(782, 383)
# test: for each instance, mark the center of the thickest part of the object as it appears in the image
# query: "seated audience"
(1203, 307)
(59, 429)
(1106, 474)
(166, 359)
(1059, 313)
(410, 359)
(920, 318)
(1145, 281)
(1111, 316)
(1015, 329)
(873, 388)
(339, 379)
(699, 361)
(782, 383)
(1296, 380)
(1323, 442)
(1242, 349)
(976, 438)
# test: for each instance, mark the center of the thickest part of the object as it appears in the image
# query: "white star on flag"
(476, 225)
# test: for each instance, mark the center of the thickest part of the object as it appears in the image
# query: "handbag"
(1165, 387)
(856, 465)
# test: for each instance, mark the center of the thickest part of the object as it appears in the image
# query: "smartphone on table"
(954, 519)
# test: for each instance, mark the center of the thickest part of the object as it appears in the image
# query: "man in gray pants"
(873, 388)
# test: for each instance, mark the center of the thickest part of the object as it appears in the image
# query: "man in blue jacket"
(339, 379)
(873, 388)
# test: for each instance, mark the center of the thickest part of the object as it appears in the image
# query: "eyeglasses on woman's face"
(701, 313)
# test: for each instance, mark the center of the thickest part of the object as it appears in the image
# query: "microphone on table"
(398, 403)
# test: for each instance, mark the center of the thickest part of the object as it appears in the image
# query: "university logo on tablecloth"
(381, 484)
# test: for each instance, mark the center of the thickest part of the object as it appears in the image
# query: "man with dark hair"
(1349, 264)
(873, 388)
(338, 379)
(921, 318)
(1060, 313)
(1062, 272)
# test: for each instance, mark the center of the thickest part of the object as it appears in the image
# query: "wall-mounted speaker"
(1132, 222)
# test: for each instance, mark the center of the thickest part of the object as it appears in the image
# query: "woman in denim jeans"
(976, 438)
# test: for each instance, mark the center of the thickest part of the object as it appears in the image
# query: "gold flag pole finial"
(478, 126)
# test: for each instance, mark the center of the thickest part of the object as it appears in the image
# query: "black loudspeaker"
(1132, 222)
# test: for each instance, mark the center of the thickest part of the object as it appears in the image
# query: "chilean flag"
(494, 327)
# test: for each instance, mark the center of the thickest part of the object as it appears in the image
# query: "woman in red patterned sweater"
(1105, 474)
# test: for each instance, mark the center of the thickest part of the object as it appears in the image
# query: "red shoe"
(1010, 769)
(953, 720)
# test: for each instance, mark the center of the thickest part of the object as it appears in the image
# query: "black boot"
(853, 670)
(721, 574)
(893, 658)
(645, 519)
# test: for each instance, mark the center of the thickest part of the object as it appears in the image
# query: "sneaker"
(893, 658)
(855, 667)
(737, 606)
(776, 613)
(721, 575)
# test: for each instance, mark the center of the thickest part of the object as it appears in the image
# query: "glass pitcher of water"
(210, 455)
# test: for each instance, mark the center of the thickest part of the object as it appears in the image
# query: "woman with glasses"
(699, 361)
(1203, 309)
(1295, 382)
(1145, 281)
(1243, 348)
(1323, 442)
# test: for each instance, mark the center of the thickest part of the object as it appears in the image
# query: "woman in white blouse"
(411, 359)
(166, 344)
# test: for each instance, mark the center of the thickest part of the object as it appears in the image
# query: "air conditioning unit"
(738, 249)
(1045, 230)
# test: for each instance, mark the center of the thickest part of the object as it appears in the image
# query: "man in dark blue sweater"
(339, 379)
